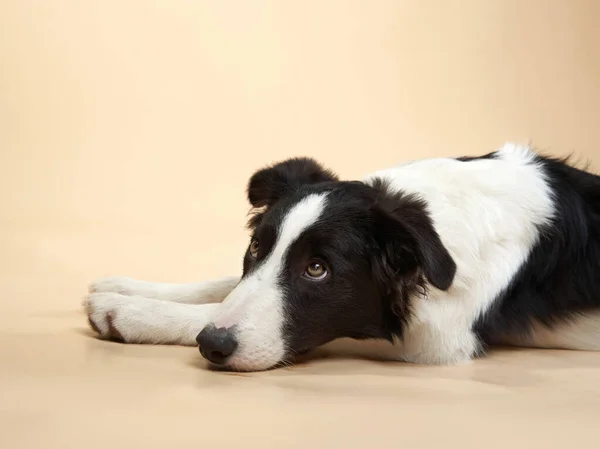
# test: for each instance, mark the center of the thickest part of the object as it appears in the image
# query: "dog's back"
(524, 232)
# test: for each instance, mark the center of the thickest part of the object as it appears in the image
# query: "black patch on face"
(380, 249)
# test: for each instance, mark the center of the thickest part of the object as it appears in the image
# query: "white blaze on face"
(255, 307)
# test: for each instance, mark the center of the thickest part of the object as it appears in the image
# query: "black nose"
(216, 345)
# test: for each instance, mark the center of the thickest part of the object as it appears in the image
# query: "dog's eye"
(316, 271)
(254, 248)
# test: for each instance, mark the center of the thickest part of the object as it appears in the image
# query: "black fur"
(270, 184)
(405, 232)
(382, 249)
(475, 158)
(379, 246)
(561, 277)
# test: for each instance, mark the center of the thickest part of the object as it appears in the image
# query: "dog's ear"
(269, 185)
(408, 243)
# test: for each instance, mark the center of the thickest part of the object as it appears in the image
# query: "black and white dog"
(441, 257)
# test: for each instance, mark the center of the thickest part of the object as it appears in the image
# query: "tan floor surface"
(127, 133)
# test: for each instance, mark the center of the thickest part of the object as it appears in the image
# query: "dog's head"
(327, 259)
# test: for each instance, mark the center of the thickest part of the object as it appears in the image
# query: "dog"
(441, 257)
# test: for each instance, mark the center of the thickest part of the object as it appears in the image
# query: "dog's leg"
(133, 319)
(195, 293)
(429, 343)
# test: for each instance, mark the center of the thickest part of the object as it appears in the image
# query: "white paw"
(122, 285)
(105, 311)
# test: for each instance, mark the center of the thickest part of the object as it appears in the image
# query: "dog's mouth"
(234, 368)
(238, 363)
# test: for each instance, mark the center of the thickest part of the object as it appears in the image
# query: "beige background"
(128, 130)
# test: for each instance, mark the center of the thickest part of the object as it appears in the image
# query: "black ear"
(408, 240)
(269, 185)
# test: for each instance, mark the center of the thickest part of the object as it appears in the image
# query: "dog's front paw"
(103, 310)
(122, 285)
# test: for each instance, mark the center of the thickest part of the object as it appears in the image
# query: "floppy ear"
(269, 185)
(408, 241)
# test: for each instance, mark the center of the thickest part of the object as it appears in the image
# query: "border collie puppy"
(441, 257)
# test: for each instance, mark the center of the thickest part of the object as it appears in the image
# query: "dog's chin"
(243, 366)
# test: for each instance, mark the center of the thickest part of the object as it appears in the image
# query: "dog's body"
(439, 256)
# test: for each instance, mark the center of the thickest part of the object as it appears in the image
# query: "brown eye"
(254, 248)
(316, 271)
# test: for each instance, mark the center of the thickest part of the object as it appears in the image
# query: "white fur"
(255, 306)
(194, 293)
(486, 212)
(143, 320)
